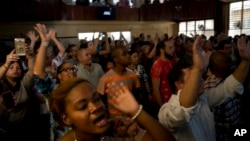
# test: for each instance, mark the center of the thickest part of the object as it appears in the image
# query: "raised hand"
(44, 34)
(121, 98)
(198, 58)
(244, 48)
(33, 37)
(53, 33)
(156, 39)
(12, 57)
(29, 51)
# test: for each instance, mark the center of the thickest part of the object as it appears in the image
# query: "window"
(239, 18)
(70, 2)
(88, 36)
(191, 28)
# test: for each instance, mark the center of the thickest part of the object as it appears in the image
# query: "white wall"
(70, 29)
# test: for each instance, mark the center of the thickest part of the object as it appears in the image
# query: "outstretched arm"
(39, 66)
(244, 50)
(58, 44)
(122, 99)
(190, 91)
(107, 47)
(153, 51)
(30, 55)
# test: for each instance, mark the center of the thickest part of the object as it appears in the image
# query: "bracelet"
(137, 113)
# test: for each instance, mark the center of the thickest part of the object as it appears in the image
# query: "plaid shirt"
(227, 114)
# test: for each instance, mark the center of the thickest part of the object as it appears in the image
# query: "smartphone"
(8, 100)
(20, 46)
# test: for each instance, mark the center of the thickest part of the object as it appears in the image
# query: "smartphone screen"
(20, 46)
(8, 100)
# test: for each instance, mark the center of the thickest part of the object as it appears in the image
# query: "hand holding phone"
(20, 46)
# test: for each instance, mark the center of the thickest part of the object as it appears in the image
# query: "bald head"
(220, 63)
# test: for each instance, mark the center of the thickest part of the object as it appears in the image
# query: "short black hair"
(223, 43)
(114, 51)
(84, 45)
(70, 46)
(176, 73)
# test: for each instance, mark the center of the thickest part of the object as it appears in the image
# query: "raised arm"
(33, 38)
(107, 47)
(244, 50)
(29, 51)
(123, 100)
(30, 55)
(190, 91)
(12, 56)
(95, 43)
(58, 44)
(39, 66)
(153, 51)
(122, 38)
(112, 41)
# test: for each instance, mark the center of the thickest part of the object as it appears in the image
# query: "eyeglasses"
(73, 69)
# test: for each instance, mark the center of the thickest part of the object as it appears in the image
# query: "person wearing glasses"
(43, 82)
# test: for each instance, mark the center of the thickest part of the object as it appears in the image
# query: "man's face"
(228, 49)
(85, 56)
(169, 48)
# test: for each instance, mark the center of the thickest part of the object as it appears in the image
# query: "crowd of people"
(161, 88)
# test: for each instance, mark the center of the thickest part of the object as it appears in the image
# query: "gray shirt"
(92, 76)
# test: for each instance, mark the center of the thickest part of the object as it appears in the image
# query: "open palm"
(121, 98)
(244, 48)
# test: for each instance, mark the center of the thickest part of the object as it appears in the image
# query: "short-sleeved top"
(160, 70)
(93, 76)
(129, 79)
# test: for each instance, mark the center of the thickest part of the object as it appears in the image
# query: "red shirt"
(160, 70)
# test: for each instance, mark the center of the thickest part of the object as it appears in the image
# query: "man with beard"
(160, 69)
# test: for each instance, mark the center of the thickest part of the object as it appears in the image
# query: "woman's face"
(134, 58)
(14, 71)
(85, 111)
(67, 71)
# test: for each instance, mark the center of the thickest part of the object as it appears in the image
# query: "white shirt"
(197, 123)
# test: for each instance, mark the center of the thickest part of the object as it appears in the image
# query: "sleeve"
(226, 89)
(144, 74)
(101, 86)
(156, 71)
(173, 115)
(28, 81)
(44, 86)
